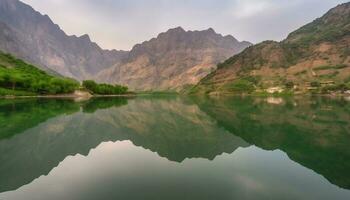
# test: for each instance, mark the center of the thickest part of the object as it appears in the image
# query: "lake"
(175, 148)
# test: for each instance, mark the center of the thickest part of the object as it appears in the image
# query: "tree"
(104, 88)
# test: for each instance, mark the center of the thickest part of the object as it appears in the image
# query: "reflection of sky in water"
(122, 170)
(173, 142)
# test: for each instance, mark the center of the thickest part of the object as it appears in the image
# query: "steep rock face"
(173, 60)
(34, 37)
(319, 51)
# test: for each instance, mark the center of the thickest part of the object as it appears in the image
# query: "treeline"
(20, 79)
(104, 89)
(16, 75)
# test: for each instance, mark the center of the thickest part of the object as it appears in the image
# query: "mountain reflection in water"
(195, 136)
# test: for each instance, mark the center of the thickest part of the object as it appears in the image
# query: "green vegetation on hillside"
(326, 67)
(336, 26)
(104, 89)
(317, 52)
(21, 79)
(241, 86)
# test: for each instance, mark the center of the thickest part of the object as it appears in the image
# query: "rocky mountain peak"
(176, 30)
(333, 25)
(342, 10)
(173, 59)
(85, 38)
(35, 38)
(211, 30)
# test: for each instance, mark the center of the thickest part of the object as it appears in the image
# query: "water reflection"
(313, 132)
(122, 171)
(275, 100)
(181, 137)
(169, 127)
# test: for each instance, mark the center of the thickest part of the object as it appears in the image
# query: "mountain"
(316, 57)
(33, 37)
(172, 60)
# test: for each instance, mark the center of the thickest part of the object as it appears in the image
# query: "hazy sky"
(120, 24)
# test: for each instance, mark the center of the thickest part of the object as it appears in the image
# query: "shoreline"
(136, 95)
(65, 96)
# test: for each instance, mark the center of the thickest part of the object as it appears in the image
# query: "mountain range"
(172, 60)
(314, 57)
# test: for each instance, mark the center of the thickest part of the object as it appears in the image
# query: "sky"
(120, 24)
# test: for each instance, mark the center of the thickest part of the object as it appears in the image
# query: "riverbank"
(86, 95)
(75, 95)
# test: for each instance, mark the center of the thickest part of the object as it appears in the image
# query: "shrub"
(315, 84)
(104, 89)
(241, 86)
(332, 88)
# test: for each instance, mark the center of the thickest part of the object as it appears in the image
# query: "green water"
(175, 148)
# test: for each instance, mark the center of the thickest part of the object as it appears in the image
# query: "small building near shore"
(273, 90)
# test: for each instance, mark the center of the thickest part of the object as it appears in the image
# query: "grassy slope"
(20, 78)
(317, 52)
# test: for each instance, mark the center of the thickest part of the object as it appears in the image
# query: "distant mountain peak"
(173, 59)
(178, 29)
(85, 37)
(169, 61)
(34, 37)
(211, 30)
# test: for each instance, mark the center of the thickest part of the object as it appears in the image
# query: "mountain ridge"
(173, 59)
(34, 37)
(50, 47)
(316, 54)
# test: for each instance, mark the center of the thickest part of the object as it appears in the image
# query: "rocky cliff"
(173, 60)
(32, 36)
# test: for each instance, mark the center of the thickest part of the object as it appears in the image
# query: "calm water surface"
(175, 148)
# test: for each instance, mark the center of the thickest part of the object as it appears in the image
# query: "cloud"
(244, 9)
(121, 24)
